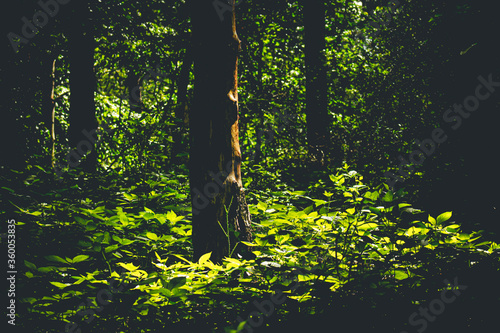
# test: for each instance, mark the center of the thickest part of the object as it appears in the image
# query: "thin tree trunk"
(49, 104)
(220, 212)
(51, 113)
(316, 83)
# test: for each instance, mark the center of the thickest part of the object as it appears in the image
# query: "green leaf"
(126, 241)
(165, 292)
(122, 216)
(463, 236)
(372, 195)
(80, 280)
(56, 259)
(453, 228)
(30, 265)
(130, 267)
(180, 257)
(416, 231)
(90, 226)
(204, 258)
(443, 217)
(260, 242)
(148, 216)
(111, 248)
(176, 282)
(152, 236)
(298, 193)
(388, 197)
(80, 258)
(309, 209)
(172, 217)
(432, 220)
(318, 202)
(80, 220)
(261, 206)
(130, 197)
(47, 269)
(106, 238)
(401, 274)
(59, 284)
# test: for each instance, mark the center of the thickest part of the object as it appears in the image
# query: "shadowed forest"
(250, 166)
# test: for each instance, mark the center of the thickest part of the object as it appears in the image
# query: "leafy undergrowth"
(123, 264)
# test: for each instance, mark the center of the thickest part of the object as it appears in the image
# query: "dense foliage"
(111, 251)
(122, 264)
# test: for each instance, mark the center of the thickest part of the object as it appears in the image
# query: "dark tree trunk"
(316, 85)
(82, 117)
(13, 85)
(181, 110)
(215, 159)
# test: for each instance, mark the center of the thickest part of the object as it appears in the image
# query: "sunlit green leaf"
(443, 217)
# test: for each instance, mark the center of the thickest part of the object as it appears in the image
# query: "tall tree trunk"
(14, 82)
(218, 199)
(48, 103)
(82, 118)
(316, 87)
(181, 110)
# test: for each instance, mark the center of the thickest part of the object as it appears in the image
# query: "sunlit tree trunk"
(49, 105)
(218, 198)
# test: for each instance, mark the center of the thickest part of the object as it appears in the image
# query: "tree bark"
(82, 118)
(316, 82)
(220, 212)
(48, 103)
(53, 115)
